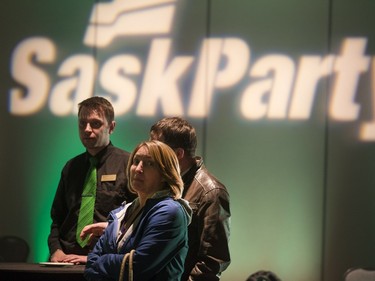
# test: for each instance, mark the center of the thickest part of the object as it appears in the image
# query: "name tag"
(108, 177)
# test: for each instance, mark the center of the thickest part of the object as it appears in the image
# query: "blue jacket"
(159, 240)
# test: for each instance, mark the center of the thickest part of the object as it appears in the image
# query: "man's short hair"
(100, 105)
(176, 132)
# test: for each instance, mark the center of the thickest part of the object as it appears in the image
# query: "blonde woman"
(154, 225)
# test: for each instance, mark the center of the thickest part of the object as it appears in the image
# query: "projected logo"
(125, 18)
(275, 86)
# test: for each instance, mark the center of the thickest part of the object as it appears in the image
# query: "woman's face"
(145, 177)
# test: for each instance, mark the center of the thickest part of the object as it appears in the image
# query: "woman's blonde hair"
(167, 163)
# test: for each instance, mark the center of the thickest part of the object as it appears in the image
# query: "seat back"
(13, 249)
(360, 274)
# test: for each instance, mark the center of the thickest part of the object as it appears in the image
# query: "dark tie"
(86, 212)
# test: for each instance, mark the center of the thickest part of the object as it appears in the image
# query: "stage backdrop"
(281, 94)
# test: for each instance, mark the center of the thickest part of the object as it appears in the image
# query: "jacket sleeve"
(213, 226)
(104, 263)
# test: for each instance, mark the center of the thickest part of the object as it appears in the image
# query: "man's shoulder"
(118, 151)
(75, 164)
(206, 188)
(78, 158)
(207, 179)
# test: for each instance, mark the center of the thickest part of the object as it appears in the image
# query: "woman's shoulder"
(172, 208)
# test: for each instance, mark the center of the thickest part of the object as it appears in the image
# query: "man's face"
(94, 130)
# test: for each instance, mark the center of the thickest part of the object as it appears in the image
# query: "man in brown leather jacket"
(208, 254)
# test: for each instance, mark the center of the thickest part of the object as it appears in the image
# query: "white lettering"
(113, 78)
(25, 71)
(161, 80)
(253, 103)
(65, 96)
(348, 67)
(311, 69)
(367, 130)
(222, 63)
(255, 99)
(212, 72)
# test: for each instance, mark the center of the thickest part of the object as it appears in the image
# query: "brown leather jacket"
(208, 254)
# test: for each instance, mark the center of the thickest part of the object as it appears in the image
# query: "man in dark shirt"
(96, 124)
